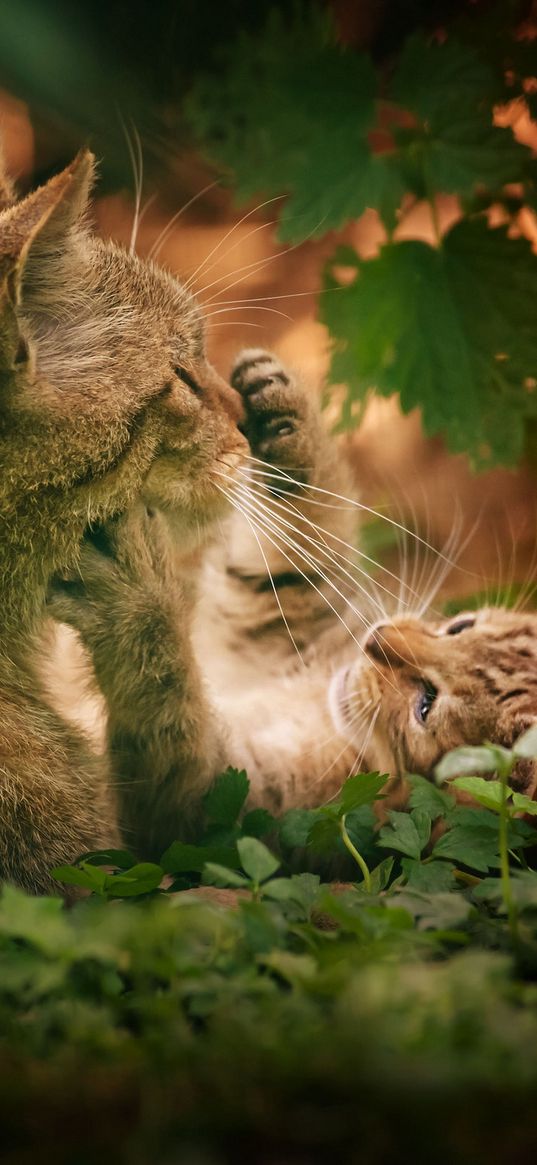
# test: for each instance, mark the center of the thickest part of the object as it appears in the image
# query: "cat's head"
(105, 390)
(422, 688)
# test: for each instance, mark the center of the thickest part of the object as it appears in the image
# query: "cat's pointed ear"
(35, 235)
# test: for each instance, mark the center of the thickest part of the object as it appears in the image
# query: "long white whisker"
(265, 524)
(327, 552)
(271, 521)
(221, 242)
(358, 505)
(246, 307)
(272, 583)
(161, 238)
(287, 505)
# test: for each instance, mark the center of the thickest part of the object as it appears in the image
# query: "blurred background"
(119, 76)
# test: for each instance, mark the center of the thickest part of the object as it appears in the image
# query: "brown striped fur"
(483, 668)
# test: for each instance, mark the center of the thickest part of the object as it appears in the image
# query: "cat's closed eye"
(459, 625)
(188, 379)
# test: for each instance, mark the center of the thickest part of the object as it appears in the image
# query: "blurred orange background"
(264, 293)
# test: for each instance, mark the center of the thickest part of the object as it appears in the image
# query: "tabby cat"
(102, 367)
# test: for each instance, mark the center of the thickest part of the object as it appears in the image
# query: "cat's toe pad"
(264, 384)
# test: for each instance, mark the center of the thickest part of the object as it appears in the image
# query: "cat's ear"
(36, 235)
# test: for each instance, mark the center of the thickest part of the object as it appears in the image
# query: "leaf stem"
(355, 854)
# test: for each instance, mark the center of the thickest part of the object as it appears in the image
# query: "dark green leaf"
(225, 799)
(454, 147)
(401, 834)
(257, 823)
(432, 878)
(453, 331)
(362, 789)
(325, 836)
(473, 846)
(270, 105)
(424, 795)
(295, 827)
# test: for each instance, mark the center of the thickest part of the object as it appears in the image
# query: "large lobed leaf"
(453, 331)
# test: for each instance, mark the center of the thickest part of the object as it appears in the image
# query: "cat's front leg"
(299, 520)
(133, 607)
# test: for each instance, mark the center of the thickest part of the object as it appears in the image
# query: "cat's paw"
(278, 411)
(79, 597)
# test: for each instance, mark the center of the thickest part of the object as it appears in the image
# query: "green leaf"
(454, 146)
(139, 879)
(88, 877)
(180, 858)
(324, 836)
(486, 793)
(257, 861)
(453, 331)
(295, 968)
(362, 789)
(269, 120)
(401, 834)
(282, 889)
(225, 799)
(216, 875)
(422, 821)
(526, 745)
(474, 845)
(424, 795)
(257, 823)
(295, 827)
(432, 878)
(524, 804)
(469, 759)
(435, 911)
(120, 858)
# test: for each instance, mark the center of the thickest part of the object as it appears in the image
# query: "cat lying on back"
(392, 696)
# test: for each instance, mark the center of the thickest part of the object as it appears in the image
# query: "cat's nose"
(373, 644)
(385, 644)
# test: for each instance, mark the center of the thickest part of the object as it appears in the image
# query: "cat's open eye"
(187, 379)
(459, 625)
(425, 700)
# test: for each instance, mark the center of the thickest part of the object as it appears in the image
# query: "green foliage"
(300, 984)
(451, 328)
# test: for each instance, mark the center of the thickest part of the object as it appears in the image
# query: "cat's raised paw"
(276, 407)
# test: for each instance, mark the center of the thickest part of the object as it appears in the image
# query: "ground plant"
(287, 1009)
